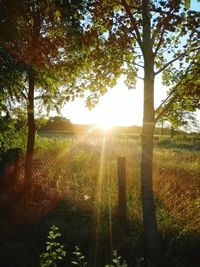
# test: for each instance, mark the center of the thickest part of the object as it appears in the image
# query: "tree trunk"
(172, 132)
(149, 216)
(31, 129)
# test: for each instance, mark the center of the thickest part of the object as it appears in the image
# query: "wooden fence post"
(122, 186)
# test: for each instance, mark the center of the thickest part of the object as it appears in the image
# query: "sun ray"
(99, 195)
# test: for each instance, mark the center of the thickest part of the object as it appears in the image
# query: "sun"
(118, 107)
(104, 124)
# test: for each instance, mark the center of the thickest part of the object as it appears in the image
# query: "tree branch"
(135, 7)
(139, 77)
(133, 23)
(24, 95)
(165, 109)
(124, 29)
(138, 65)
(160, 42)
(168, 105)
(174, 59)
(161, 23)
(169, 63)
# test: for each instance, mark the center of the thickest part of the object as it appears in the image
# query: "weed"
(79, 258)
(54, 250)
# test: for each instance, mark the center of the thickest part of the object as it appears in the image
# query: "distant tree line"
(57, 123)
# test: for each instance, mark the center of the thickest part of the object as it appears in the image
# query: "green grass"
(75, 188)
(56, 134)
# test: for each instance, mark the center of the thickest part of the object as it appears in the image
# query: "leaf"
(74, 262)
(48, 247)
(187, 4)
(57, 13)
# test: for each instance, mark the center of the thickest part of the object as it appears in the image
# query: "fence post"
(122, 186)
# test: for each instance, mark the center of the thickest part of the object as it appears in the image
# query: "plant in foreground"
(80, 258)
(54, 250)
(116, 261)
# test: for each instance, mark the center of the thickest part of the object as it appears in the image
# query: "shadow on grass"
(180, 246)
(25, 222)
(174, 144)
(22, 242)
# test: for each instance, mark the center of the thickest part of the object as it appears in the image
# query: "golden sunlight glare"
(118, 107)
(104, 124)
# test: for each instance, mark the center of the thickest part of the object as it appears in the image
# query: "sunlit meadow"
(76, 188)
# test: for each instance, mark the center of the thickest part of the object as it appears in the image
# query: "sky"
(119, 106)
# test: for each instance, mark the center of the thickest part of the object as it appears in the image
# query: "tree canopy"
(185, 94)
(11, 80)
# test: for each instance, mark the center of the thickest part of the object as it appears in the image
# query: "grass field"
(75, 188)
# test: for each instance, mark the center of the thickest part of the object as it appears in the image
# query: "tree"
(153, 36)
(43, 37)
(55, 49)
(57, 123)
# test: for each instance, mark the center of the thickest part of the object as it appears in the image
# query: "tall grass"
(75, 188)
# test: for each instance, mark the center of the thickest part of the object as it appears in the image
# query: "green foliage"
(57, 123)
(188, 93)
(41, 52)
(81, 161)
(10, 136)
(51, 146)
(79, 258)
(184, 97)
(179, 118)
(62, 58)
(11, 80)
(54, 250)
(174, 31)
(116, 261)
(40, 122)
